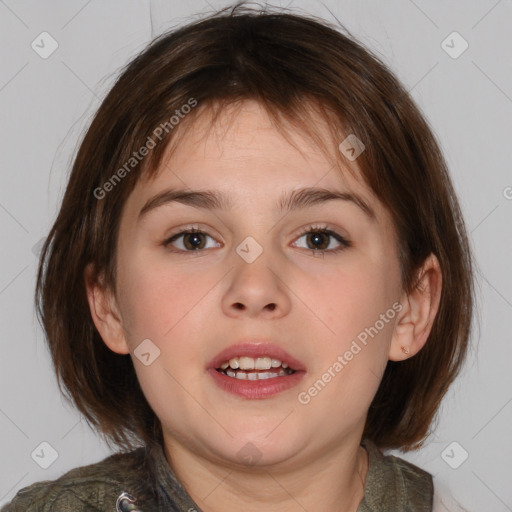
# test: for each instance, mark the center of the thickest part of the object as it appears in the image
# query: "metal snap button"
(126, 503)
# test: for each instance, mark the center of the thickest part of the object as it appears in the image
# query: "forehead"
(247, 157)
(245, 132)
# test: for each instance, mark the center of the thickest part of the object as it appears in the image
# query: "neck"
(333, 482)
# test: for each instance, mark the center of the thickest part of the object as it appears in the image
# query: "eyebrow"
(215, 200)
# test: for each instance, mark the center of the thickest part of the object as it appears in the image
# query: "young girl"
(259, 278)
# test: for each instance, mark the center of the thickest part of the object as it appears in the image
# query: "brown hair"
(294, 65)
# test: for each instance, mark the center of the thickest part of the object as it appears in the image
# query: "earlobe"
(104, 312)
(417, 316)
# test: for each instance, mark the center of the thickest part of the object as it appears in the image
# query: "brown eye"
(192, 240)
(318, 240)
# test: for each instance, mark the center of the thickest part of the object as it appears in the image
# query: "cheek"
(156, 296)
(356, 308)
(170, 307)
(350, 297)
(165, 306)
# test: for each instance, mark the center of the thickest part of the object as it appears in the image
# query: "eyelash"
(326, 231)
(309, 229)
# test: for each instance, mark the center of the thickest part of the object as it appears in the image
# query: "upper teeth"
(250, 363)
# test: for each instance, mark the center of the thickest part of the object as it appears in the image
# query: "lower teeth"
(242, 375)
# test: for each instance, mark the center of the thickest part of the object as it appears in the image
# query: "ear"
(105, 312)
(420, 307)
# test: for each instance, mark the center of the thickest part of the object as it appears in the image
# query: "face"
(258, 282)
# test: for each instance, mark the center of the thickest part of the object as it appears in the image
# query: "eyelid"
(184, 230)
(195, 227)
(330, 231)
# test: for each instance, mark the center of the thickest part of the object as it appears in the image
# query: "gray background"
(47, 103)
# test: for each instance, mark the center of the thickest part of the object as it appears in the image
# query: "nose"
(257, 289)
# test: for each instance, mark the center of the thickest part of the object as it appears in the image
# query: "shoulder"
(395, 469)
(413, 487)
(91, 487)
(393, 483)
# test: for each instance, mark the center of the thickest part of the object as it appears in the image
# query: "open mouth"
(259, 368)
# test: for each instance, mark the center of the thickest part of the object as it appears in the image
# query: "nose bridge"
(256, 234)
(254, 262)
(255, 284)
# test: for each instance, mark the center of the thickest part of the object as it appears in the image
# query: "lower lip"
(255, 389)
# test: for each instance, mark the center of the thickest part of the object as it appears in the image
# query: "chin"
(258, 450)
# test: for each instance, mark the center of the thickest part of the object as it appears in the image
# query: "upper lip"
(256, 349)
